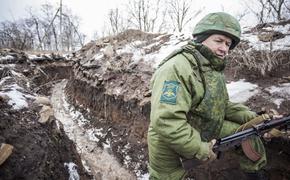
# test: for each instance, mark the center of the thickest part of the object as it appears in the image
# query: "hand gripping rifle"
(236, 139)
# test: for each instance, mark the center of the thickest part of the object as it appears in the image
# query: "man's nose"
(224, 48)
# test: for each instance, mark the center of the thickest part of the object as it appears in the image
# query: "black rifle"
(236, 139)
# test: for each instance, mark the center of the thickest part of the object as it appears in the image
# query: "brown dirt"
(38, 149)
(116, 92)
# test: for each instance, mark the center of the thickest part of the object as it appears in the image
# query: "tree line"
(50, 29)
(58, 28)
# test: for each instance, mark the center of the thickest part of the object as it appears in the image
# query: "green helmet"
(219, 22)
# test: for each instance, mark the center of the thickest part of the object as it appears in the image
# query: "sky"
(94, 12)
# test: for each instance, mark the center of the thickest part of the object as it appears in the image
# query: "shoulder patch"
(169, 92)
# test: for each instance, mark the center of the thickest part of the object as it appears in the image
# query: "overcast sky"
(93, 12)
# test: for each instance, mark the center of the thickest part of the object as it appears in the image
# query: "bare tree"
(117, 21)
(42, 30)
(50, 38)
(241, 15)
(180, 13)
(34, 23)
(270, 10)
(276, 5)
(70, 29)
(143, 14)
(16, 35)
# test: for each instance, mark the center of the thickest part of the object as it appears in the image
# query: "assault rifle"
(236, 139)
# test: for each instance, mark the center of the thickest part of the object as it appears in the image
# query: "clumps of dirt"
(116, 86)
(45, 76)
(38, 151)
(111, 85)
(123, 123)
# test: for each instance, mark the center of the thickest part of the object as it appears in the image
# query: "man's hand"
(211, 155)
(274, 132)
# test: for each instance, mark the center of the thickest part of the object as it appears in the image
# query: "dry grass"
(261, 61)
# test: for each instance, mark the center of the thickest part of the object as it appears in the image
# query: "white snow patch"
(98, 56)
(76, 115)
(240, 91)
(16, 98)
(58, 126)
(118, 90)
(143, 177)
(39, 57)
(92, 134)
(278, 102)
(14, 73)
(86, 166)
(72, 170)
(282, 91)
(7, 57)
(279, 44)
(176, 41)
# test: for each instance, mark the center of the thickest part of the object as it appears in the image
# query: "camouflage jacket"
(188, 106)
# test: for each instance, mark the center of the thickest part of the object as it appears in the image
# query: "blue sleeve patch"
(169, 92)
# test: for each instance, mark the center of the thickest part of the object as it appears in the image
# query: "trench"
(110, 136)
(98, 161)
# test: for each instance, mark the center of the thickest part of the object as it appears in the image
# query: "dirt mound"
(40, 150)
(117, 93)
(108, 85)
(115, 73)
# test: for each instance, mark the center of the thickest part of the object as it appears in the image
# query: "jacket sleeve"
(168, 119)
(238, 113)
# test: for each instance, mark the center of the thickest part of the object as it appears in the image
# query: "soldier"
(190, 106)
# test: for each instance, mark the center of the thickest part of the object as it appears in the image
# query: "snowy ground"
(99, 161)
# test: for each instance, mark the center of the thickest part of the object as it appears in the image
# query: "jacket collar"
(214, 61)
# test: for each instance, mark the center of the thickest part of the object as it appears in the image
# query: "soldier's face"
(219, 44)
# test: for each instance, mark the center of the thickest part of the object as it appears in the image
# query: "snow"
(98, 161)
(7, 57)
(278, 102)
(240, 91)
(98, 56)
(93, 134)
(283, 90)
(132, 48)
(175, 42)
(17, 99)
(72, 170)
(279, 44)
(144, 177)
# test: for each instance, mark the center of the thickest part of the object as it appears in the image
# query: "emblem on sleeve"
(169, 92)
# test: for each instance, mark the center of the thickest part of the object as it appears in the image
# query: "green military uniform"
(189, 107)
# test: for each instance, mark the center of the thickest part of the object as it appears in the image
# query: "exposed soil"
(102, 164)
(117, 100)
(111, 98)
(38, 149)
